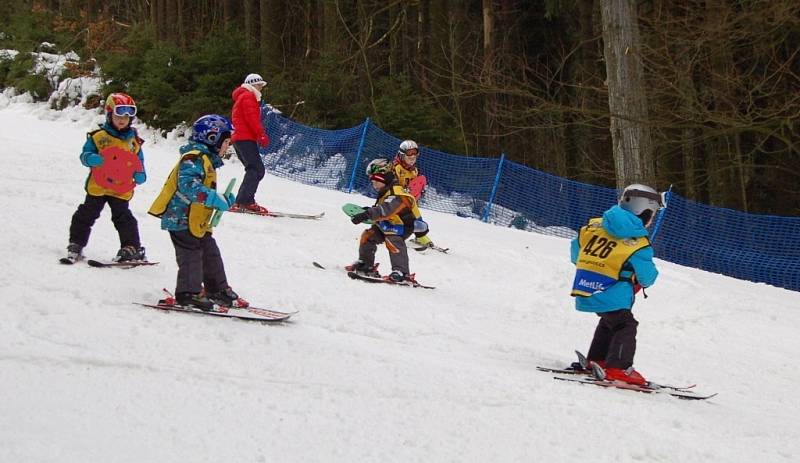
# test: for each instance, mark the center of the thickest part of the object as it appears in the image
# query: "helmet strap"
(646, 217)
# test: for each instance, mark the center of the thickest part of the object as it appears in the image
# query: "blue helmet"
(211, 130)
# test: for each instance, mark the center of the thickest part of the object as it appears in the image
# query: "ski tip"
(318, 265)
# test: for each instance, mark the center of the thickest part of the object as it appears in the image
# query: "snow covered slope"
(364, 372)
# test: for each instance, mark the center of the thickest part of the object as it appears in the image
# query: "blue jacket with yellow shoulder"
(181, 203)
(609, 253)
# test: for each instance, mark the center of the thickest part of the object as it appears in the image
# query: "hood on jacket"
(623, 224)
(243, 89)
(216, 161)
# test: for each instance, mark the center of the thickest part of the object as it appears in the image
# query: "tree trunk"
(251, 23)
(179, 23)
(330, 26)
(272, 21)
(91, 10)
(627, 97)
(689, 154)
(154, 16)
(454, 74)
(394, 40)
(423, 37)
(587, 76)
(227, 14)
(311, 27)
(729, 181)
(171, 19)
(488, 72)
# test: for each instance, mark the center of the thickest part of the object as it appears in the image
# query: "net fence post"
(488, 209)
(358, 156)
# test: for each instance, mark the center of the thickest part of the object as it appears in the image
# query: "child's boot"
(228, 298)
(74, 252)
(195, 300)
(628, 375)
(130, 253)
(362, 269)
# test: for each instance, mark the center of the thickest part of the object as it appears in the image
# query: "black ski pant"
(199, 263)
(121, 216)
(614, 339)
(396, 244)
(247, 151)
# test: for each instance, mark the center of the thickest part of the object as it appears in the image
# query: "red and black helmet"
(120, 104)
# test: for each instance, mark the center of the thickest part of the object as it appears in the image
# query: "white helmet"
(407, 145)
(642, 201)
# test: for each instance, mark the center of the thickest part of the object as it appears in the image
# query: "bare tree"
(488, 75)
(627, 97)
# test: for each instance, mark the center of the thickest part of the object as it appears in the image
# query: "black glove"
(358, 218)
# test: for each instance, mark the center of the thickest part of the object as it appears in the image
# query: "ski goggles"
(125, 110)
(659, 198)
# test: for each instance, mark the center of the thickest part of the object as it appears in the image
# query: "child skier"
(116, 138)
(614, 261)
(185, 206)
(394, 218)
(405, 171)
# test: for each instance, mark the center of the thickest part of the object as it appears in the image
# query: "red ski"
(249, 312)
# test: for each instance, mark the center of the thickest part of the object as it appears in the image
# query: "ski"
(564, 371)
(242, 313)
(282, 214)
(318, 265)
(68, 261)
(583, 367)
(419, 247)
(652, 389)
(581, 372)
(128, 264)
(296, 216)
(356, 276)
(423, 248)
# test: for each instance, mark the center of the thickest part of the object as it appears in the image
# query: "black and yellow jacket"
(395, 211)
(402, 174)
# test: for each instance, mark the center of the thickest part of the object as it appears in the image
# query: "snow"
(363, 372)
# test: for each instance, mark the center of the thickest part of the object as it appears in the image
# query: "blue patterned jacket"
(190, 187)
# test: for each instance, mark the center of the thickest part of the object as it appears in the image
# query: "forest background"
(719, 79)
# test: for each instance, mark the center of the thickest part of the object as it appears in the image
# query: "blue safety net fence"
(747, 246)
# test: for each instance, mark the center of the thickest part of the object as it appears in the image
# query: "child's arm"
(643, 266)
(396, 206)
(191, 188)
(141, 176)
(89, 155)
(575, 248)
